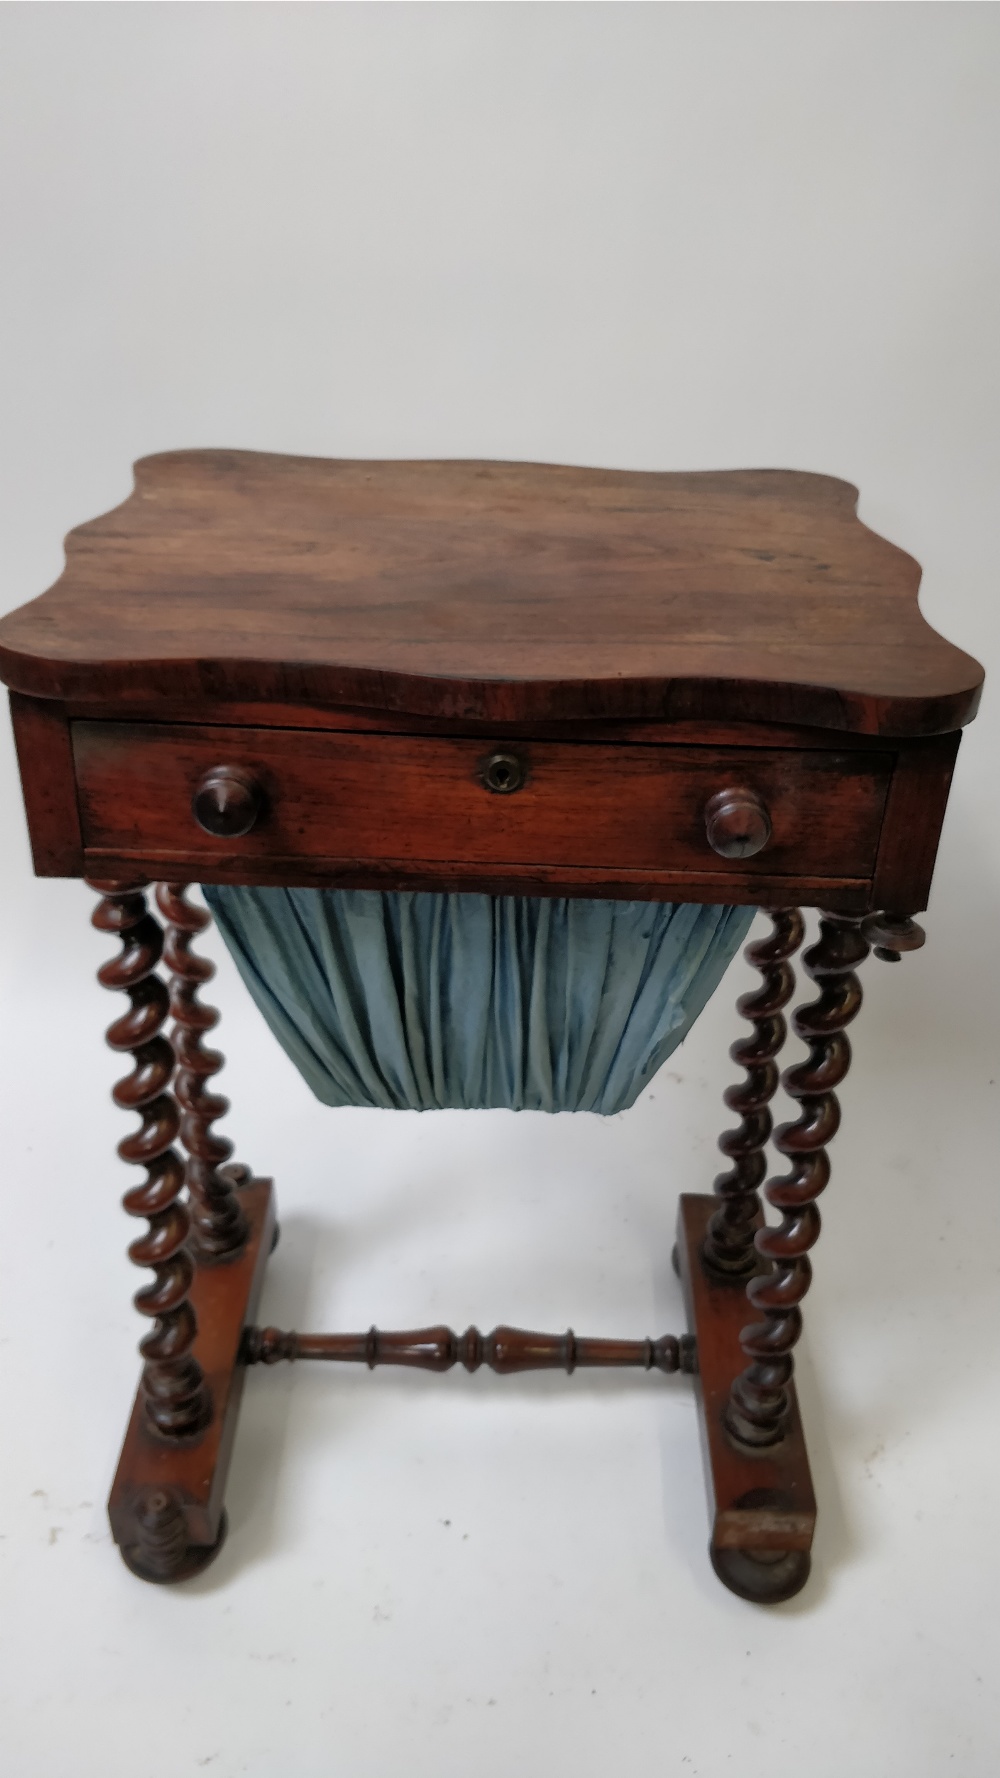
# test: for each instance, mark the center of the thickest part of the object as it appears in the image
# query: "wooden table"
(509, 678)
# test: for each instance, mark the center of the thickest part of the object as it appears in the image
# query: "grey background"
(651, 236)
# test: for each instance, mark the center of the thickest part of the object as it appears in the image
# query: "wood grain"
(499, 591)
(760, 1402)
(45, 761)
(218, 1226)
(678, 731)
(729, 1248)
(423, 799)
(846, 894)
(224, 1299)
(911, 829)
(506, 1350)
(761, 1503)
(326, 655)
(176, 1402)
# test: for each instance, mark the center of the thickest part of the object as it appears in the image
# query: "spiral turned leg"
(758, 1403)
(176, 1400)
(218, 1223)
(729, 1245)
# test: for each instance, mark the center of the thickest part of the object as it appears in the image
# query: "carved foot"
(166, 1505)
(159, 1550)
(761, 1503)
(765, 1577)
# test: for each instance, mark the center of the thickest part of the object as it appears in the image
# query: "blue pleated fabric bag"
(414, 1001)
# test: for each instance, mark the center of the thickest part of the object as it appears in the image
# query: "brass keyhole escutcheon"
(503, 773)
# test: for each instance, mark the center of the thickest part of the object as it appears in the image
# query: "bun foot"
(159, 1551)
(765, 1577)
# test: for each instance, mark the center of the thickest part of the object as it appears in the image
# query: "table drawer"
(417, 799)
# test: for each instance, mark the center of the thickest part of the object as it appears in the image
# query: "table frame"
(711, 687)
(208, 1252)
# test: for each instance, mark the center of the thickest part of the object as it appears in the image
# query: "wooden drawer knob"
(227, 802)
(737, 823)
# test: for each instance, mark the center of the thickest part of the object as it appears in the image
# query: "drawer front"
(425, 801)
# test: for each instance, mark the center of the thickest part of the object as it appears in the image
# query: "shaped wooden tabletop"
(504, 592)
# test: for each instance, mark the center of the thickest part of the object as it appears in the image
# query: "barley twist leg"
(177, 1403)
(218, 1223)
(729, 1248)
(758, 1403)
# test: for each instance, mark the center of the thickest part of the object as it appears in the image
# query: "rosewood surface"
(510, 678)
(505, 1350)
(501, 591)
(192, 1473)
(729, 1249)
(760, 1404)
(762, 1508)
(176, 1401)
(218, 1225)
(424, 801)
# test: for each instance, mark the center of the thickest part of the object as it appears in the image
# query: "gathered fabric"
(423, 1001)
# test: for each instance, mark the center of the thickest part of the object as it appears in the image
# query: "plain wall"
(645, 236)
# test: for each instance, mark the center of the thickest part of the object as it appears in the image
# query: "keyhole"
(503, 773)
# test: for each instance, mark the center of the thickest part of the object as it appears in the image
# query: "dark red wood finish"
(761, 1503)
(139, 782)
(48, 780)
(171, 1541)
(729, 1248)
(760, 1404)
(911, 825)
(507, 592)
(364, 805)
(218, 1226)
(176, 1402)
(506, 678)
(505, 1350)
